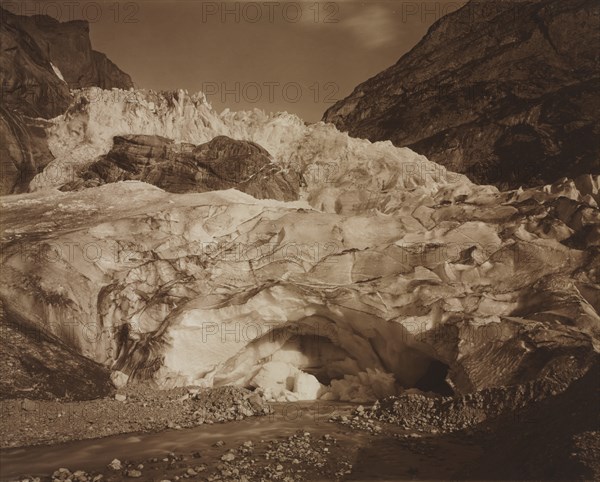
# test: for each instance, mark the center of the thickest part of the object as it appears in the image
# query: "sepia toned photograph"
(299, 241)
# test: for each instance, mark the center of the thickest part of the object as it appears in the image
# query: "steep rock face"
(23, 150)
(105, 74)
(29, 84)
(501, 91)
(67, 45)
(459, 287)
(221, 163)
(40, 59)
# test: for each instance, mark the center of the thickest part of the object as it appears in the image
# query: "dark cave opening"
(434, 379)
(314, 354)
(326, 360)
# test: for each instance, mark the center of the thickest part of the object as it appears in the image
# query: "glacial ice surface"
(389, 274)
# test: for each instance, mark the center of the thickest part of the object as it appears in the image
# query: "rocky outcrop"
(105, 74)
(40, 60)
(222, 163)
(459, 287)
(501, 91)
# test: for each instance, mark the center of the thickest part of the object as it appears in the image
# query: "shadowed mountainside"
(503, 91)
(32, 47)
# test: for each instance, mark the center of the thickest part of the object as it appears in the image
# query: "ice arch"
(299, 346)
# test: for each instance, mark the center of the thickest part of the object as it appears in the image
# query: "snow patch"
(58, 72)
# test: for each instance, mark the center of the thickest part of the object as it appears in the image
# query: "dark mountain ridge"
(503, 91)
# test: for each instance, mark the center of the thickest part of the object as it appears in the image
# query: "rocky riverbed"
(133, 409)
(300, 456)
(413, 436)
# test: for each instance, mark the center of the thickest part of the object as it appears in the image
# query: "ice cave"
(291, 364)
(328, 357)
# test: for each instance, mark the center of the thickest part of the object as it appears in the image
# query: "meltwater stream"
(95, 454)
(381, 457)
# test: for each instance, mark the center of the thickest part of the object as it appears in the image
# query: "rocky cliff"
(64, 45)
(23, 150)
(40, 60)
(504, 91)
(29, 82)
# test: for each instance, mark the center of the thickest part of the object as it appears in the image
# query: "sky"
(298, 57)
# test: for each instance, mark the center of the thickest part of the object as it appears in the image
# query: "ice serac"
(221, 163)
(443, 286)
(502, 91)
(335, 170)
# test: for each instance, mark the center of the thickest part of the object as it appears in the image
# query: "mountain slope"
(38, 365)
(504, 92)
(29, 83)
(41, 59)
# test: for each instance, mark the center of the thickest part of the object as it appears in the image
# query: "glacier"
(387, 273)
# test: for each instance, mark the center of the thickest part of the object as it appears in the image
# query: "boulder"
(221, 163)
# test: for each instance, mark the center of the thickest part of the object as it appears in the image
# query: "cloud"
(372, 25)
